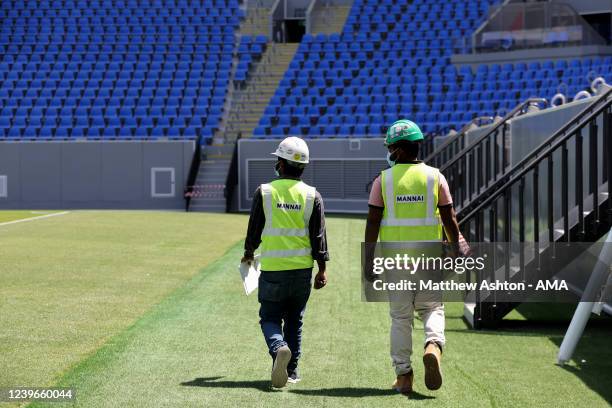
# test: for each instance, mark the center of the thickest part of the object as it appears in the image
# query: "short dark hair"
(291, 170)
(410, 149)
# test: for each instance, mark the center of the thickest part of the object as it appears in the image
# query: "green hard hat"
(403, 129)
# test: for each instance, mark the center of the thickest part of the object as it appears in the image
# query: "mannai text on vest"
(289, 206)
(409, 198)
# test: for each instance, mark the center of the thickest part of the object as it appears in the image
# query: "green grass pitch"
(8, 216)
(137, 309)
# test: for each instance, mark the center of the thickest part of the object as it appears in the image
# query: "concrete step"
(330, 19)
(215, 163)
(213, 171)
(211, 180)
(256, 21)
(204, 197)
(209, 188)
(217, 150)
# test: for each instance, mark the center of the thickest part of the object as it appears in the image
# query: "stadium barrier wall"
(341, 170)
(528, 55)
(94, 174)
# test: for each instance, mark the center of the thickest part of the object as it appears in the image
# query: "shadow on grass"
(358, 393)
(593, 355)
(264, 385)
(538, 320)
(539, 328)
(212, 382)
(593, 359)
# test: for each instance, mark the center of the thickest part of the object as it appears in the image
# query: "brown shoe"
(431, 361)
(403, 383)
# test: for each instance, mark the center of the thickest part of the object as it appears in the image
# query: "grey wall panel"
(41, 173)
(9, 166)
(188, 149)
(81, 178)
(536, 54)
(158, 156)
(92, 174)
(122, 172)
(340, 169)
(530, 130)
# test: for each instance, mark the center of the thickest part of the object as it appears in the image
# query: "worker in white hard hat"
(287, 223)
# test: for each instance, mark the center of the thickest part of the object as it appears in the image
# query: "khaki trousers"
(431, 312)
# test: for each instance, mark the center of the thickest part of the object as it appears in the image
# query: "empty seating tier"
(393, 60)
(114, 69)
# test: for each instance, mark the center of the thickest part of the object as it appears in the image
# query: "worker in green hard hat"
(411, 202)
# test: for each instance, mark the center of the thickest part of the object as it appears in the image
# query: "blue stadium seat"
(107, 74)
(99, 68)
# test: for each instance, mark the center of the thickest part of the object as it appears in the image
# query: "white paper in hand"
(250, 275)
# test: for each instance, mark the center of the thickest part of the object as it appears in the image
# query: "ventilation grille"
(334, 179)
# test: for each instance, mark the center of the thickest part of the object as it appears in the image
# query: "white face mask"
(276, 172)
(391, 162)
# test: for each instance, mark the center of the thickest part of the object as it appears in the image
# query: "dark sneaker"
(294, 377)
(279, 368)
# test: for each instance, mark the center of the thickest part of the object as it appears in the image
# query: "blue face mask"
(276, 170)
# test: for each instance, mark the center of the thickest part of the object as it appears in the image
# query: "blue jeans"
(282, 296)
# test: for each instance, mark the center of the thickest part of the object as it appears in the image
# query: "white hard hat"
(293, 149)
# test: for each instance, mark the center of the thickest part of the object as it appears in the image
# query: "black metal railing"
(484, 164)
(453, 144)
(428, 145)
(559, 193)
(231, 181)
(193, 172)
(527, 174)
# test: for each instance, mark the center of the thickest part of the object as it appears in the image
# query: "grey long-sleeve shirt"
(316, 228)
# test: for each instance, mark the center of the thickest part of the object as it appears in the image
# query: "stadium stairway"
(256, 22)
(208, 193)
(250, 101)
(499, 203)
(329, 19)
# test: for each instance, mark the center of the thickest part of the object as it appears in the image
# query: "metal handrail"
(581, 215)
(275, 6)
(309, 11)
(194, 168)
(486, 157)
(543, 145)
(517, 109)
(544, 150)
(433, 156)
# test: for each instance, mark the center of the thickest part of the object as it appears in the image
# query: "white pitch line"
(33, 218)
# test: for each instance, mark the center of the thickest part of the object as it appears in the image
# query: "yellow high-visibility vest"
(285, 240)
(410, 195)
